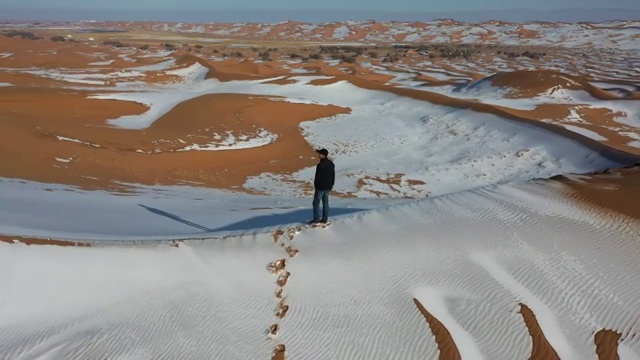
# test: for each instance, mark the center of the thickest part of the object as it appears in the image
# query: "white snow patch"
(102, 63)
(588, 133)
(545, 316)
(231, 142)
(341, 32)
(627, 353)
(62, 138)
(353, 281)
(193, 73)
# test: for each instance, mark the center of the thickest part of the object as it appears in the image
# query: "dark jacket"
(325, 175)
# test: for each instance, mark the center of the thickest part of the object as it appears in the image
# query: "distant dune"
(267, 15)
(616, 34)
(155, 182)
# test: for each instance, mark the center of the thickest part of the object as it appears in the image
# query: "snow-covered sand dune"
(469, 258)
(496, 264)
(387, 135)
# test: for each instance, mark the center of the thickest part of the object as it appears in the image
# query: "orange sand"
(607, 344)
(37, 111)
(541, 349)
(446, 345)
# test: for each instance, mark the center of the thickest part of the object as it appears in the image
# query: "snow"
(608, 85)
(102, 63)
(151, 213)
(262, 138)
(160, 54)
(634, 144)
(435, 301)
(482, 238)
(412, 38)
(588, 133)
(62, 138)
(470, 258)
(87, 77)
(483, 91)
(163, 65)
(437, 75)
(4, 84)
(626, 353)
(5, 55)
(449, 149)
(545, 317)
(341, 32)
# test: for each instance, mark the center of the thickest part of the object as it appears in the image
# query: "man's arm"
(316, 181)
(332, 175)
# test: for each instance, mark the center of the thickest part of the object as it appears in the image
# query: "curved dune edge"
(610, 192)
(367, 79)
(36, 241)
(540, 81)
(616, 152)
(118, 161)
(607, 344)
(446, 345)
(541, 349)
(94, 156)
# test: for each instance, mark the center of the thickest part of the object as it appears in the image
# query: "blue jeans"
(324, 196)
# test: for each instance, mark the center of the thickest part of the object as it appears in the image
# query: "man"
(323, 184)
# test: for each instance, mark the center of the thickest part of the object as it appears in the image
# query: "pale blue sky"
(378, 5)
(319, 10)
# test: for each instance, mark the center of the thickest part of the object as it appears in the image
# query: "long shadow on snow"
(296, 216)
(175, 217)
(262, 221)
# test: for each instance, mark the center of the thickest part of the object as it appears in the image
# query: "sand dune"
(346, 286)
(164, 141)
(165, 167)
(607, 34)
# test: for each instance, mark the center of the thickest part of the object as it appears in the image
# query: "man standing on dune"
(323, 184)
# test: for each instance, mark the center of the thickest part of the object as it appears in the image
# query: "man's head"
(322, 153)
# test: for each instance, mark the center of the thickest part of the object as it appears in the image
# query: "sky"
(325, 10)
(375, 5)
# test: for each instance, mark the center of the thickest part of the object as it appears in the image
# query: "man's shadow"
(254, 222)
(175, 217)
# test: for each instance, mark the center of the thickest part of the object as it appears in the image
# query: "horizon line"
(318, 15)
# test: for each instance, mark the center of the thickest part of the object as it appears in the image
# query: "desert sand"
(486, 190)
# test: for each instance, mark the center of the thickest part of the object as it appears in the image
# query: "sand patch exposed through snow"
(531, 117)
(614, 192)
(37, 241)
(607, 344)
(541, 349)
(227, 70)
(446, 346)
(103, 154)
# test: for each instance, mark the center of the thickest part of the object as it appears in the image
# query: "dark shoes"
(323, 221)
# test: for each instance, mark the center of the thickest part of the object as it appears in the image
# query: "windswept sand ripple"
(469, 258)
